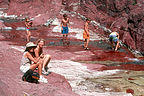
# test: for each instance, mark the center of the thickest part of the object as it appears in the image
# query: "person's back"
(114, 39)
(113, 34)
(25, 63)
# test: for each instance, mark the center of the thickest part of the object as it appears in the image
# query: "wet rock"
(7, 28)
(1, 24)
(49, 22)
(20, 28)
(130, 91)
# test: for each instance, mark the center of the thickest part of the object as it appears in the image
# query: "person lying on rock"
(46, 58)
(86, 34)
(64, 28)
(28, 58)
(28, 24)
(114, 39)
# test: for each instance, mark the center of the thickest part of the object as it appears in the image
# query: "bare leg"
(117, 45)
(63, 37)
(28, 36)
(66, 37)
(47, 59)
(40, 69)
(34, 66)
(87, 42)
(112, 44)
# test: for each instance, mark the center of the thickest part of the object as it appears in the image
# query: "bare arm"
(68, 22)
(86, 28)
(26, 24)
(117, 35)
(28, 55)
(61, 24)
(36, 53)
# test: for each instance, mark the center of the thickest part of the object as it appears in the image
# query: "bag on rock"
(31, 76)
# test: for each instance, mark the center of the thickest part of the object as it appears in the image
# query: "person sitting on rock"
(64, 28)
(46, 58)
(28, 58)
(114, 39)
(86, 34)
(28, 24)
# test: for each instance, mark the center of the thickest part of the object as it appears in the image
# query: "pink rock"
(1, 24)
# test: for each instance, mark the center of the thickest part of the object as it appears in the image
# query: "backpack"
(31, 76)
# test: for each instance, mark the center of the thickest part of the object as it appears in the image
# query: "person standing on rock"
(64, 28)
(28, 24)
(28, 58)
(86, 34)
(46, 58)
(114, 39)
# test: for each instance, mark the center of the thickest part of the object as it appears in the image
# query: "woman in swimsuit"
(28, 24)
(46, 58)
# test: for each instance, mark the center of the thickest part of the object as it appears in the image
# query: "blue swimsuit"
(65, 30)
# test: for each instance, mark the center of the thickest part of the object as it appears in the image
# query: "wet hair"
(65, 15)
(39, 41)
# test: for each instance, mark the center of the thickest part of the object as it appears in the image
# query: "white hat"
(30, 44)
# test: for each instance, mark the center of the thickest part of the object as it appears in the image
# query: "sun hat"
(30, 45)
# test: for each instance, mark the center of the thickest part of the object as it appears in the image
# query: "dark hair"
(28, 48)
(88, 19)
(65, 15)
(27, 18)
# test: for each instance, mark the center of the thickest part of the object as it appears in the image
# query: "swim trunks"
(27, 29)
(65, 30)
(85, 36)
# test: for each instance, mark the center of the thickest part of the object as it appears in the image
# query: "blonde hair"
(39, 40)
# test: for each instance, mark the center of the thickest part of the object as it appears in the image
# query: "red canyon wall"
(126, 15)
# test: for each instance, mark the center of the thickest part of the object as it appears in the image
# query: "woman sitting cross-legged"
(28, 58)
(46, 58)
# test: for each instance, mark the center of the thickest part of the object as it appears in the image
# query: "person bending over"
(114, 40)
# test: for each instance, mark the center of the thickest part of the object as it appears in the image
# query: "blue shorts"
(65, 30)
(113, 38)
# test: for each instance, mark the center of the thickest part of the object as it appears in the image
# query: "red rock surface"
(12, 85)
(125, 14)
(10, 75)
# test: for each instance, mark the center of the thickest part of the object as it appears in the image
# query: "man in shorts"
(114, 39)
(64, 28)
(86, 34)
